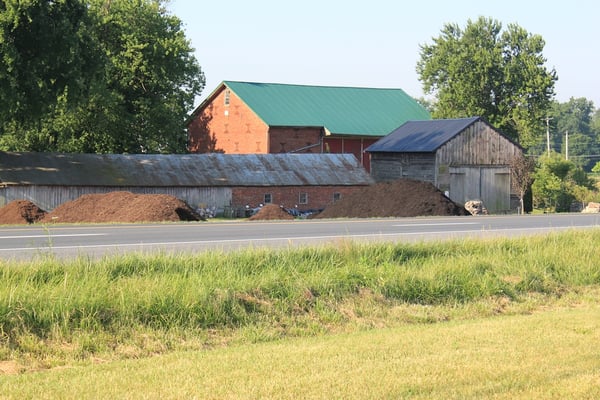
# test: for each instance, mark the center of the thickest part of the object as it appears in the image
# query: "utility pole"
(548, 134)
(567, 145)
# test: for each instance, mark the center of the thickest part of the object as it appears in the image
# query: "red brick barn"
(263, 118)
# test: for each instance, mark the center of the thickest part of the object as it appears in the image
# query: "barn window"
(336, 196)
(303, 198)
(268, 198)
(227, 95)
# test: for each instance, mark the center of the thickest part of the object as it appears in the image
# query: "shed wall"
(290, 196)
(391, 166)
(479, 144)
(49, 197)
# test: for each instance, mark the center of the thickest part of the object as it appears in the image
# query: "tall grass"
(151, 303)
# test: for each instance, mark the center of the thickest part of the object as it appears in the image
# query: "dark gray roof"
(198, 170)
(421, 136)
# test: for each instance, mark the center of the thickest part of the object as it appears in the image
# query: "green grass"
(56, 313)
(545, 355)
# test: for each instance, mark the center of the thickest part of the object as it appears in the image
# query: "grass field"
(502, 318)
(551, 354)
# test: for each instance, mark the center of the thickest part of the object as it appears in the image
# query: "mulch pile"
(122, 207)
(400, 198)
(271, 212)
(100, 208)
(20, 212)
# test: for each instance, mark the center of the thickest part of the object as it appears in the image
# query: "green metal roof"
(341, 110)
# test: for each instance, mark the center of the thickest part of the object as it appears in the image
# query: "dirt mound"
(122, 207)
(400, 198)
(20, 212)
(271, 211)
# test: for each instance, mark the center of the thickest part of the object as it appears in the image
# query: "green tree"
(485, 71)
(558, 183)
(595, 123)
(575, 119)
(136, 96)
(47, 54)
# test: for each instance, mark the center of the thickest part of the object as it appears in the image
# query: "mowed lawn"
(550, 353)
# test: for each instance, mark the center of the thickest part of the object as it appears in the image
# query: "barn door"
(495, 189)
(465, 184)
(490, 185)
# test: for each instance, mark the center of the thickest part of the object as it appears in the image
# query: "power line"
(586, 156)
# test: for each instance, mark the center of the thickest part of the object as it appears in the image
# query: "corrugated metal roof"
(421, 136)
(342, 110)
(198, 170)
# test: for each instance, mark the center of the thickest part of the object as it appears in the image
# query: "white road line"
(439, 224)
(49, 236)
(288, 239)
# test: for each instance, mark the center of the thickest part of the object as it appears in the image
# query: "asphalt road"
(64, 241)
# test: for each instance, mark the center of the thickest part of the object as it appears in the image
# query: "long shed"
(202, 180)
(467, 158)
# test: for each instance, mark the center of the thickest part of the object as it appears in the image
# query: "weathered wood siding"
(49, 197)
(488, 184)
(391, 166)
(479, 144)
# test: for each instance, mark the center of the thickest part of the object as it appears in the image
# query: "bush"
(558, 183)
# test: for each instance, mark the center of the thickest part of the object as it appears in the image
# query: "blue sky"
(375, 43)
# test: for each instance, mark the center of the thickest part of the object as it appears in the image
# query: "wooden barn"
(220, 181)
(467, 158)
(269, 118)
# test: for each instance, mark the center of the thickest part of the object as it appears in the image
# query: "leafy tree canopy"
(99, 76)
(574, 120)
(484, 71)
(45, 50)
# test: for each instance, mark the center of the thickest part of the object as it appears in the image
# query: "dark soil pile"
(122, 207)
(400, 198)
(20, 212)
(271, 212)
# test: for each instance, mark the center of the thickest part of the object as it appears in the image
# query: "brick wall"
(289, 139)
(289, 196)
(232, 128)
